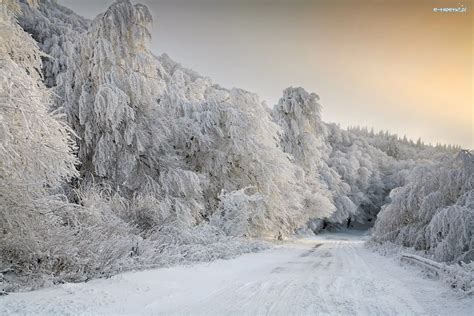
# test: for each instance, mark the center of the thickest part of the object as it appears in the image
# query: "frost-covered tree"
(353, 174)
(54, 28)
(149, 125)
(45, 238)
(299, 114)
(236, 146)
(363, 168)
(36, 150)
(36, 147)
(111, 89)
(335, 162)
(434, 210)
(228, 136)
(303, 136)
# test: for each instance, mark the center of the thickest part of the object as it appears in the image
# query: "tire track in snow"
(333, 277)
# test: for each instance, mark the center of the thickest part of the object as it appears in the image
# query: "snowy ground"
(331, 274)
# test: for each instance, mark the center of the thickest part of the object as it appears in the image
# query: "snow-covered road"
(327, 275)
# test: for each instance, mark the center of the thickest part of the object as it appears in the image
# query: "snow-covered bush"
(102, 238)
(450, 233)
(240, 213)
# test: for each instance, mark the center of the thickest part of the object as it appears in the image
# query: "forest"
(114, 159)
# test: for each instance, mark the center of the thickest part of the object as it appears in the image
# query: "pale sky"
(389, 64)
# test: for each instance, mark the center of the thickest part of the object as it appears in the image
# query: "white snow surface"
(330, 274)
